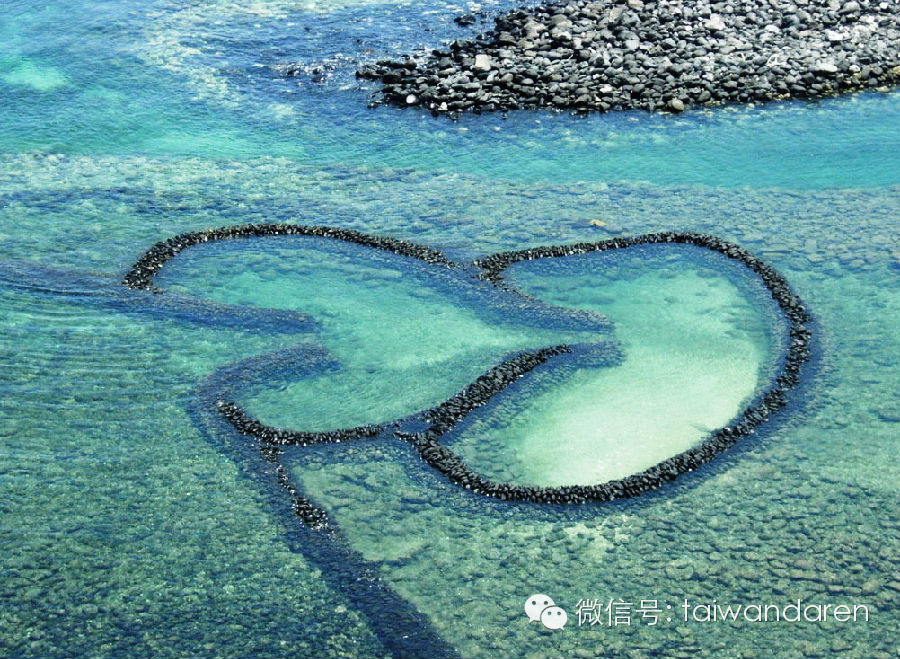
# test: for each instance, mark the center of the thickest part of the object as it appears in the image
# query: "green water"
(401, 341)
(697, 351)
(127, 531)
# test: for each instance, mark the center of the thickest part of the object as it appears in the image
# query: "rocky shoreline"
(670, 55)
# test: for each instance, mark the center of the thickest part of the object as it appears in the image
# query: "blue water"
(162, 70)
(128, 526)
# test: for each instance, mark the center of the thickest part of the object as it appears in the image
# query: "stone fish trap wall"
(443, 417)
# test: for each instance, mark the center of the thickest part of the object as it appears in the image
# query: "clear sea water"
(129, 528)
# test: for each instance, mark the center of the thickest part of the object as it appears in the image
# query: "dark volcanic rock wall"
(654, 55)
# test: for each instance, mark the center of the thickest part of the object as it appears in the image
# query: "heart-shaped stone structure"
(436, 422)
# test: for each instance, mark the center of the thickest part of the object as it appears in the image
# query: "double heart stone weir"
(443, 417)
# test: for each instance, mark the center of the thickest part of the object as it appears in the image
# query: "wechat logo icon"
(542, 608)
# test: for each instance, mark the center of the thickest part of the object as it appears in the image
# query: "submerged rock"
(602, 55)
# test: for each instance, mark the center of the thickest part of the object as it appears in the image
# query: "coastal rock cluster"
(605, 55)
(445, 416)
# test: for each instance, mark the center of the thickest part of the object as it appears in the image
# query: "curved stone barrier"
(444, 417)
(140, 275)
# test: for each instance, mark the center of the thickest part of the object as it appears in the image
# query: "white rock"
(833, 36)
(714, 22)
(632, 44)
(825, 66)
(483, 62)
(862, 32)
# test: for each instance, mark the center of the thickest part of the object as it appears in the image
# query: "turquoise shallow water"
(128, 528)
(700, 339)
